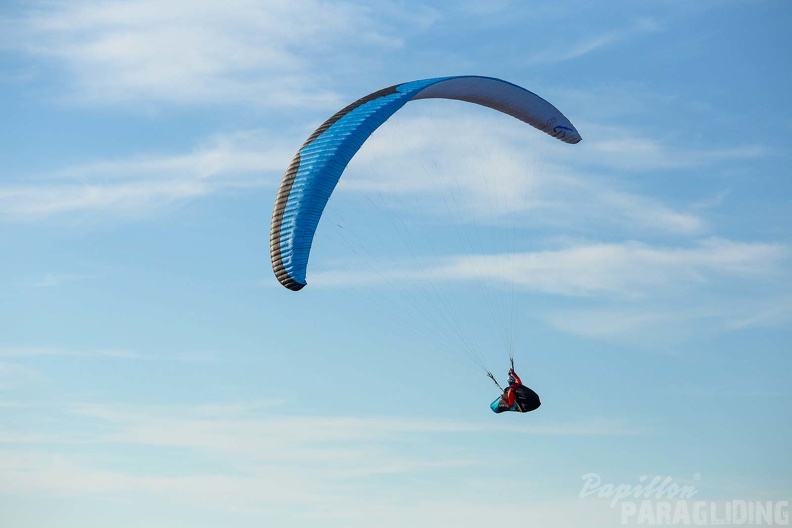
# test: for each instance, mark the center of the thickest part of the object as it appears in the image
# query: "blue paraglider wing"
(316, 168)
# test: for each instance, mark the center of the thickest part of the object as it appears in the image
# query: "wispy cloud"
(629, 269)
(631, 292)
(12, 375)
(662, 324)
(52, 280)
(32, 352)
(268, 53)
(251, 458)
(267, 494)
(629, 150)
(584, 46)
(17, 364)
(493, 166)
(28, 352)
(485, 169)
(132, 199)
(135, 187)
(433, 158)
(11, 404)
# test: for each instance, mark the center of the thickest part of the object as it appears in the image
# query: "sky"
(153, 373)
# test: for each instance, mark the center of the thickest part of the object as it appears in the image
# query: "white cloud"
(664, 325)
(270, 53)
(28, 352)
(442, 164)
(219, 157)
(13, 375)
(631, 292)
(262, 461)
(244, 430)
(484, 168)
(628, 150)
(10, 404)
(628, 269)
(473, 164)
(31, 352)
(139, 186)
(53, 280)
(584, 46)
(27, 202)
(268, 494)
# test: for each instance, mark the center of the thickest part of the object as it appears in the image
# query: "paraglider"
(516, 397)
(317, 167)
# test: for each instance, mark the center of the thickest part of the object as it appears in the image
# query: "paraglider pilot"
(516, 397)
(510, 392)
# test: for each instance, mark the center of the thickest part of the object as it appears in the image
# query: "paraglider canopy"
(316, 168)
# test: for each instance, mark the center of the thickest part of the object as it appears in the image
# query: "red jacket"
(511, 391)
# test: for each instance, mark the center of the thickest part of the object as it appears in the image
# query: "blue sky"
(154, 373)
